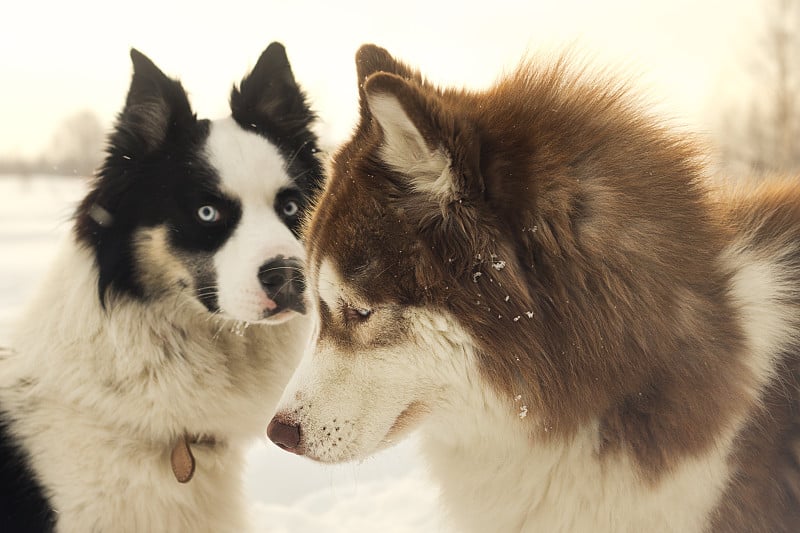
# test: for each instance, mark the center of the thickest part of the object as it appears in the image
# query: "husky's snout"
(283, 282)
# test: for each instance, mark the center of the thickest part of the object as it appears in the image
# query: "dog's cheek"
(203, 280)
(158, 268)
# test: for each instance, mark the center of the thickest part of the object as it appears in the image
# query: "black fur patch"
(23, 504)
(205, 280)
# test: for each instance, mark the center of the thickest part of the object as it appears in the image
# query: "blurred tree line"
(761, 136)
(76, 149)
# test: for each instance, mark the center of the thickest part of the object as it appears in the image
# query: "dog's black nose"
(285, 435)
(283, 282)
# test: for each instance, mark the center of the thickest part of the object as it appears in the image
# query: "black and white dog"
(171, 321)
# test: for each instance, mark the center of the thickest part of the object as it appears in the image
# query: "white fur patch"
(495, 477)
(762, 290)
(252, 171)
(250, 166)
(405, 149)
(328, 283)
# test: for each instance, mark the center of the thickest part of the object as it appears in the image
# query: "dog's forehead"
(249, 166)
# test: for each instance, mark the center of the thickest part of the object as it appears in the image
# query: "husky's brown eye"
(356, 314)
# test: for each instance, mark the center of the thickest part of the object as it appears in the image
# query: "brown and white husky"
(536, 279)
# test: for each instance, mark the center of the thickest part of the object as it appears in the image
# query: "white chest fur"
(98, 398)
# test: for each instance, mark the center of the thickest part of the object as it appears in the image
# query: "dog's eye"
(208, 214)
(290, 208)
(357, 314)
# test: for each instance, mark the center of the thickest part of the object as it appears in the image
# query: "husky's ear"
(269, 98)
(437, 151)
(155, 104)
(371, 59)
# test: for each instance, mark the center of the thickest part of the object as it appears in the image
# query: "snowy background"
(59, 58)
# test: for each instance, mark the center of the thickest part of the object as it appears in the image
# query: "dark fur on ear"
(155, 105)
(269, 99)
(156, 123)
(270, 102)
(371, 59)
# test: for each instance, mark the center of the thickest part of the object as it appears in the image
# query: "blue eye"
(208, 214)
(290, 208)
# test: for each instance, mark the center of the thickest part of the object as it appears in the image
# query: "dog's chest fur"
(567, 487)
(97, 403)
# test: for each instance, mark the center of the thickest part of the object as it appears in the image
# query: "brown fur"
(613, 293)
(764, 495)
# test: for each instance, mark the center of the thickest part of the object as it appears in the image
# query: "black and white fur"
(174, 309)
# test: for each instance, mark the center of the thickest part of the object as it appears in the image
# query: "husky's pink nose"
(287, 436)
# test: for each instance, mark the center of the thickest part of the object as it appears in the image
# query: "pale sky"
(62, 57)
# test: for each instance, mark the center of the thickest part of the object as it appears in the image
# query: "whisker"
(296, 153)
(298, 176)
(206, 293)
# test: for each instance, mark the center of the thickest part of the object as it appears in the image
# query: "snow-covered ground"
(390, 493)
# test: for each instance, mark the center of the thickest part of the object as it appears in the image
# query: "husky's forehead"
(336, 289)
(249, 166)
(328, 283)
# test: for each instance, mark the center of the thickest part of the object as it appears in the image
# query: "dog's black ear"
(154, 107)
(269, 99)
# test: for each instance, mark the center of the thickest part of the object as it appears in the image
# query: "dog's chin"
(405, 423)
(279, 318)
(266, 318)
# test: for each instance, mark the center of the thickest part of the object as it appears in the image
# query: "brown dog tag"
(182, 460)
